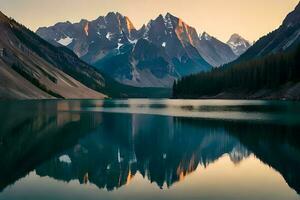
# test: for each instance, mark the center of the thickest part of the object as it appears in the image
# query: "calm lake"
(149, 149)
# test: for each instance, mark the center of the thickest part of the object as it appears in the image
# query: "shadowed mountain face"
(214, 51)
(113, 45)
(32, 68)
(109, 150)
(285, 38)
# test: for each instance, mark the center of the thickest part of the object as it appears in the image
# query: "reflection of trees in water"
(162, 149)
(277, 146)
(32, 133)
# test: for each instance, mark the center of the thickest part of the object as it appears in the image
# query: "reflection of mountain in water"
(162, 149)
(31, 133)
(276, 146)
(108, 150)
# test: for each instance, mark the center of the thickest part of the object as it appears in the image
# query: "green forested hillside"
(269, 72)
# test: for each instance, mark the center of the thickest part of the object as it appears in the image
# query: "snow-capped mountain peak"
(238, 44)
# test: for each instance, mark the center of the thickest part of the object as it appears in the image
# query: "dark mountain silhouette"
(267, 70)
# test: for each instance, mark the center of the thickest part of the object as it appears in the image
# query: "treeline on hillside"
(268, 72)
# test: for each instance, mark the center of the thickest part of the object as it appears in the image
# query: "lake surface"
(149, 149)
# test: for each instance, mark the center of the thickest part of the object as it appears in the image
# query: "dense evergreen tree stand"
(269, 72)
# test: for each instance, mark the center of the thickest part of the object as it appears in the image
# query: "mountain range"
(153, 56)
(32, 68)
(108, 56)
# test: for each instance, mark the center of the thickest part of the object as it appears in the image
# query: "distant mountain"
(214, 51)
(155, 55)
(238, 44)
(33, 69)
(285, 38)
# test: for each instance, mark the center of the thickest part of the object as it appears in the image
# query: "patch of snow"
(65, 41)
(65, 159)
(133, 41)
(165, 156)
(119, 45)
(109, 36)
(237, 44)
(206, 36)
(120, 159)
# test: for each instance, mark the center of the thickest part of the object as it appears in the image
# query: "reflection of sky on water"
(276, 111)
(72, 150)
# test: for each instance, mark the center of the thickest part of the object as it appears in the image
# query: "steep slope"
(33, 69)
(238, 44)
(267, 70)
(214, 51)
(283, 39)
(275, 76)
(113, 45)
(179, 42)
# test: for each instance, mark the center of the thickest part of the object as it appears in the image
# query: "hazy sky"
(250, 18)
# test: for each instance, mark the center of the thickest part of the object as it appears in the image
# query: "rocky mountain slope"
(267, 70)
(285, 38)
(155, 55)
(214, 51)
(31, 68)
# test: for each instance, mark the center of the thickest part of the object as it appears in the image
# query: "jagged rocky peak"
(122, 23)
(238, 44)
(205, 36)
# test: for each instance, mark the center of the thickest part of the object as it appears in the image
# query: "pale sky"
(220, 18)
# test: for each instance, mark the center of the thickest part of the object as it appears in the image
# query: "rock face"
(155, 55)
(214, 51)
(30, 68)
(285, 38)
(238, 44)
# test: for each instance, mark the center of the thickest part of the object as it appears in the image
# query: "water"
(149, 149)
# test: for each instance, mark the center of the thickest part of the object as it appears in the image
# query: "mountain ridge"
(32, 68)
(114, 37)
(27, 74)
